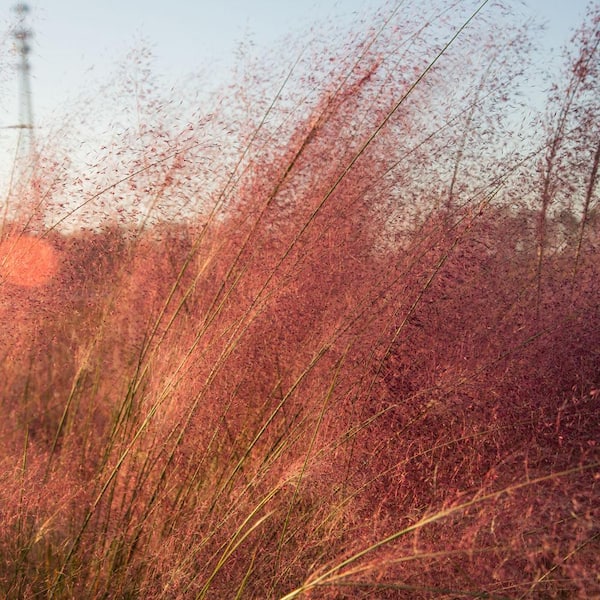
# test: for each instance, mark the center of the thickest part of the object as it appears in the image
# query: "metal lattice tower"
(25, 151)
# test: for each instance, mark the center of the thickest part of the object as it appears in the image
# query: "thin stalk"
(589, 193)
(307, 457)
(337, 573)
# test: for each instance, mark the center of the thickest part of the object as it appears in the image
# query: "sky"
(77, 43)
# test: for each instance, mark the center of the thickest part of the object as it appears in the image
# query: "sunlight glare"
(27, 261)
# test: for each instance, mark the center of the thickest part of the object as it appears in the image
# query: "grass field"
(337, 337)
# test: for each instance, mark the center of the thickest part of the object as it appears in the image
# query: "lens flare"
(27, 261)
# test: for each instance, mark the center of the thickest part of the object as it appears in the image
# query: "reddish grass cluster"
(339, 343)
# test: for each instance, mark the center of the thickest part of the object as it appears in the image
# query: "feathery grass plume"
(316, 341)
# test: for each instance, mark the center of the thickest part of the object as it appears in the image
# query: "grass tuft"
(336, 337)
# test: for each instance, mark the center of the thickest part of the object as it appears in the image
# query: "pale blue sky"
(72, 36)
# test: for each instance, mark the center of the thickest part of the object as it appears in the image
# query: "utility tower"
(25, 151)
(22, 198)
